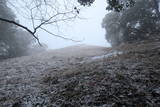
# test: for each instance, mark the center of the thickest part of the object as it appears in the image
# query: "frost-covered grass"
(128, 79)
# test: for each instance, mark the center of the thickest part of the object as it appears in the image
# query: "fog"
(87, 30)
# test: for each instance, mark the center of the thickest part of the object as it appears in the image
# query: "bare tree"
(42, 13)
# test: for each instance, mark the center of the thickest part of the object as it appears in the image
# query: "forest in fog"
(126, 21)
(127, 74)
(140, 22)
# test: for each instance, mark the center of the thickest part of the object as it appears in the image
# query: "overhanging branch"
(35, 29)
(24, 27)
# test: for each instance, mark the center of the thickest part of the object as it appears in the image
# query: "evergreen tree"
(134, 24)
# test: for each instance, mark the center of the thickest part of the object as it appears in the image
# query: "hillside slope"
(84, 76)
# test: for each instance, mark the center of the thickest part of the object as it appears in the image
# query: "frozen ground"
(20, 77)
(84, 76)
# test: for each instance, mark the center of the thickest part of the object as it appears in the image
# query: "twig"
(58, 35)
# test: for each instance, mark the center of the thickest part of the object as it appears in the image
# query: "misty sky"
(88, 30)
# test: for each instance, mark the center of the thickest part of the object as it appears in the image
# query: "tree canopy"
(116, 5)
(86, 2)
(134, 24)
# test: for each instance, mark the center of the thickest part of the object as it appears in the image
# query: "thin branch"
(33, 33)
(32, 19)
(59, 35)
(48, 20)
(36, 7)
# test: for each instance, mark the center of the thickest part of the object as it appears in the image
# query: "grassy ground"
(131, 79)
(128, 80)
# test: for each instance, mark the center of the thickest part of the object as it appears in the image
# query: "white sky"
(88, 30)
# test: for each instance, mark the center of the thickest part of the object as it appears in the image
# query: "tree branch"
(58, 35)
(19, 25)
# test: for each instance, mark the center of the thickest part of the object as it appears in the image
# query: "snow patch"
(112, 54)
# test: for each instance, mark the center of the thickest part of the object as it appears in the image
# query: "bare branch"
(59, 35)
(42, 13)
(19, 25)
